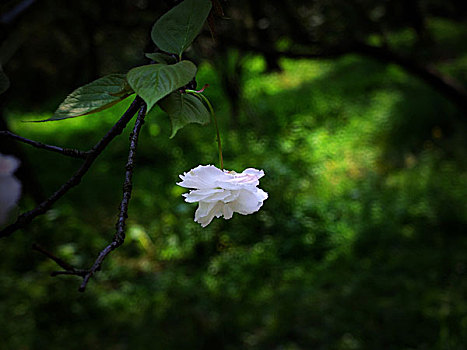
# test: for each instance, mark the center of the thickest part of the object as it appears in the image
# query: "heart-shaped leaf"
(155, 81)
(177, 29)
(96, 96)
(184, 109)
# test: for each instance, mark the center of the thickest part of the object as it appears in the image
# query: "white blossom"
(221, 192)
(10, 187)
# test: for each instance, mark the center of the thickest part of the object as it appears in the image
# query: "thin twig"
(60, 262)
(69, 270)
(447, 85)
(119, 236)
(74, 153)
(443, 83)
(10, 16)
(75, 272)
(117, 129)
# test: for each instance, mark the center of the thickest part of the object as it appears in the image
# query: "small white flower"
(221, 192)
(10, 187)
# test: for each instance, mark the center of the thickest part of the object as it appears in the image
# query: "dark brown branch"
(75, 272)
(9, 17)
(444, 84)
(74, 153)
(266, 50)
(117, 129)
(60, 262)
(68, 269)
(119, 236)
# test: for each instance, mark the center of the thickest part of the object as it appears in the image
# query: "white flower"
(221, 192)
(10, 187)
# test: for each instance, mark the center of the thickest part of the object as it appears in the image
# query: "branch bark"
(444, 84)
(10, 16)
(67, 268)
(119, 236)
(74, 153)
(117, 129)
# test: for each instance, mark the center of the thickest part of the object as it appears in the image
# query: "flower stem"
(213, 115)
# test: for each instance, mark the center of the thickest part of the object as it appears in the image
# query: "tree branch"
(9, 17)
(444, 84)
(68, 269)
(74, 153)
(266, 50)
(117, 129)
(119, 236)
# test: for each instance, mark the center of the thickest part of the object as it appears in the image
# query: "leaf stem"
(213, 115)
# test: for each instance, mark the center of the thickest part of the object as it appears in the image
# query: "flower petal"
(206, 195)
(203, 209)
(227, 211)
(221, 192)
(201, 177)
(10, 191)
(248, 202)
(215, 209)
(254, 172)
(262, 196)
(8, 164)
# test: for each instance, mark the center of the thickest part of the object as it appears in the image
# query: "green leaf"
(184, 109)
(4, 81)
(155, 81)
(96, 96)
(161, 58)
(177, 29)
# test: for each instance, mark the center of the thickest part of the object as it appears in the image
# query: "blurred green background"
(362, 243)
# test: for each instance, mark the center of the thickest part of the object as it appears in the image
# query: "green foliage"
(153, 82)
(94, 97)
(175, 31)
(4, 81)
(361, 244)
(183, 109)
